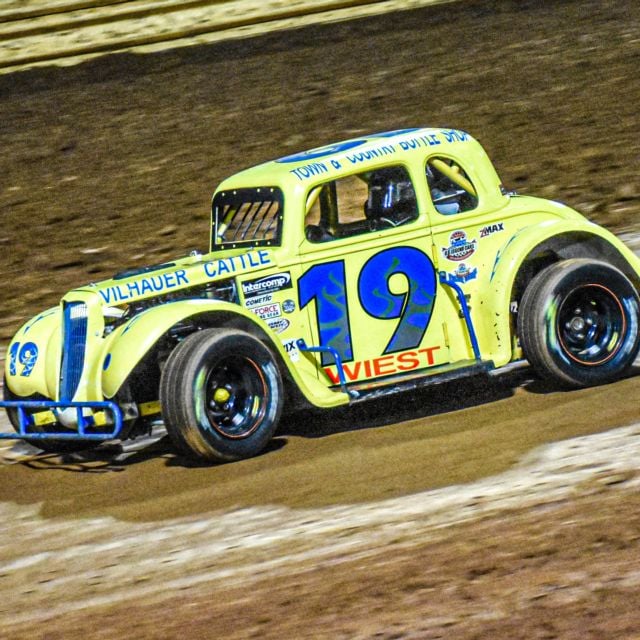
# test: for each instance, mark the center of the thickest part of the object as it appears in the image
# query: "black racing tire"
(221, 395)
(578, 323)
(49, 445)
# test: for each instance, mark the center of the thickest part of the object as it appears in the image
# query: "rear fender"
(565, 239)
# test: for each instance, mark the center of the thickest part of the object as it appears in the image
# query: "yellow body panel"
(42, 334)
(375, 298)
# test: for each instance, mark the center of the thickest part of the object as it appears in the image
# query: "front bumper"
(40, 420)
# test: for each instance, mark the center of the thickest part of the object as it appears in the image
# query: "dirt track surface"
(111, 164)
(66, 32)
(504, 557)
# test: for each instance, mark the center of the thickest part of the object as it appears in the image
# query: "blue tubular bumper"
(27, 420)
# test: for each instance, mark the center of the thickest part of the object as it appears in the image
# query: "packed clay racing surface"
(491, 508)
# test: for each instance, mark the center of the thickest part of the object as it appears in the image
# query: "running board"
(408, 382)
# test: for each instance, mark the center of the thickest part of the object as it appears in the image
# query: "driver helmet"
(390, 193)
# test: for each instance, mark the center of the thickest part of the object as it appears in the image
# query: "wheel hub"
(577, 324)
(591, 325)
(221, 395)
(236, 393)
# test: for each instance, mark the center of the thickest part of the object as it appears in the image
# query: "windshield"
(247, 217)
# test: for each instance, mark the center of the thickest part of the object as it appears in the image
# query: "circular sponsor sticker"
(460, 248)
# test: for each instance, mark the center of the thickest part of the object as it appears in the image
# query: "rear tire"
(221, 394)
(578, 323)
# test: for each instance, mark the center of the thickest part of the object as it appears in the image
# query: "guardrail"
(66, 31)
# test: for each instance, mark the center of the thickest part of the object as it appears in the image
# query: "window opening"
(247, 217)
(450, 187)
(362, 203)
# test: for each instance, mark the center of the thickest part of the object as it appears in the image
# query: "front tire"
(221, 394)
(578, 323)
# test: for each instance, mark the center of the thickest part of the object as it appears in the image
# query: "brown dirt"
(518, 575)
(111, 164)
(456, 433)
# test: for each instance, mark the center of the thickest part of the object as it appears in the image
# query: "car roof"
(351, 156)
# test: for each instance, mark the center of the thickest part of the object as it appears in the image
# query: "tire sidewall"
(559, 288)
(215, 346)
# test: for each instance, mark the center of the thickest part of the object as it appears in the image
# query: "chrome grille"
(73, 347)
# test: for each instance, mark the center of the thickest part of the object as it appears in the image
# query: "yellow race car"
(335, 275)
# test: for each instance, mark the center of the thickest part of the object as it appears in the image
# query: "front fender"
(33, 356)
(128, 344)
(515, 252)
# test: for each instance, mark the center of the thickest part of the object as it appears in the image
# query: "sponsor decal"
(267, 311)
(291, 349)
(288, 306)
(319, 161)
(490, 229)
(144, 286)
(258, 300)
(278, 324)
(460, 248)
(384, 365)
(267, 284)
(464, 274)
(229, 266)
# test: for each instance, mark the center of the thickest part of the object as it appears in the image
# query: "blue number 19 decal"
(326, 284)
(26, 356)
(412, 308)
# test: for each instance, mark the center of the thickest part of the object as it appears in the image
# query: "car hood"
(169, 277)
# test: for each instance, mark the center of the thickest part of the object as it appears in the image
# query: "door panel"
(377, 304)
